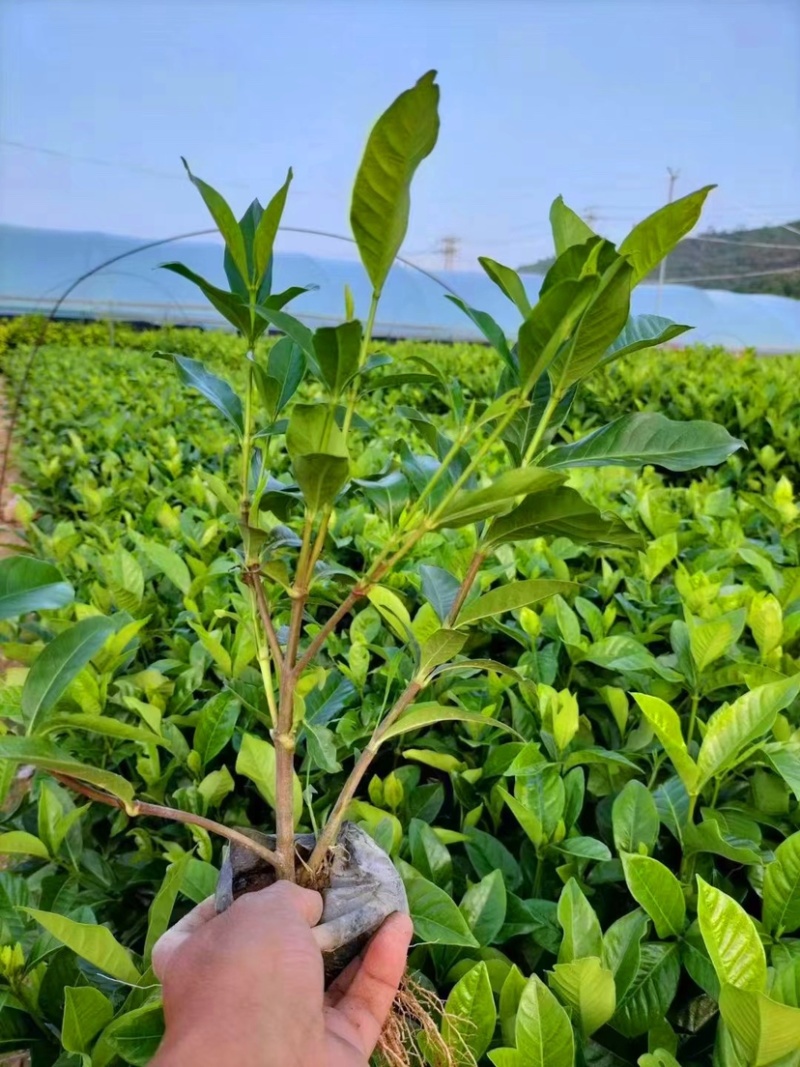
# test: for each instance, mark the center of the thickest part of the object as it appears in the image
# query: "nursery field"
(639, 853)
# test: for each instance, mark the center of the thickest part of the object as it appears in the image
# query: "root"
(412, 1035)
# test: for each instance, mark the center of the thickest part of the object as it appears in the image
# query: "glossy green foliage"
(593, 797)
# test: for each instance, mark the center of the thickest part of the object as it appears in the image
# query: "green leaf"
(436, 917)
(440, 647)
(58, 664)
(216, 725)
(568, 228)
(337, 350)
(484, 907)
(651, 992)
(267, 230)
(511, 597)
(660, 1057)
(475, 505)
(659, 892)
(550, 325)
(86, 1012)
(18, 842)
(168, 562)
(229, 305)
(781, 888)
(735, 726)
(622, 949)
(578, 920)
(286, 366)
(429, 855)
(600, 325)
(707, 837)
(509, 283)
(634, 819)
(292, 327)
(101, 724)
(470, 1016)
(489, 328)
(192, 372)
(710, 640)
(256, 761)
(401, 138)
(47, 757)
(767, 1030)
(667, 727)
(543, 1032)
(136, 1035)
(430, 714)
(95, 944)
(647, 437)
(560, 512)
(642, 331)
(731, 938)
(28, 584)
(655, 237)
(587, 988)
(163, 903)
(528, 820)
(510, 994)
(225, 221)
(318, 451)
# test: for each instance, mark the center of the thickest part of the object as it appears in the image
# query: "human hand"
(247, 986)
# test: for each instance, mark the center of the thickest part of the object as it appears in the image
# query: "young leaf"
(440, 647)
(549, 325)
(86, 1012)
(267, 230)
(568, 228)
(634, 819)
(655, 237)
(163, 903)
(510, 994)
(58, 664)
(782, 888)
(134, 1036)
(587, 988)
(229, 305)
(484, 907)
(651, 992)
(337, 350)
(578, 920)
(19, 842)
(737, 725)
(401, 138)
(509, 282)
(286, 366)
(667, 726)
(731, 938)
(225, 221)
(511, 597)
(216, 725)
(318, 451)
(543, 1033)
(659, 892)
(192, 372)
(647, 437)
(767, 1031)
(95, 944)
(437, 919)
(470, 1016)
(31, 585)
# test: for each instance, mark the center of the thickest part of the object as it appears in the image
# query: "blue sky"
(592, 99)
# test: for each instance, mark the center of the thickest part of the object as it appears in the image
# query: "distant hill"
(699, 262)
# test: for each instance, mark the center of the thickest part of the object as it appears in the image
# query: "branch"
(140, 807)
(254, 579)
(331, 830)
(466, 585)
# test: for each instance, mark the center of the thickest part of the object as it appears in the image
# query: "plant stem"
(330, 831)
(541, 429)
(140, 807)
(327, 629)
(253, 578)
(466, 585)
(693, 717)
(366, 340)
(247, 447)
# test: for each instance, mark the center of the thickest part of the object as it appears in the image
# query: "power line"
(747, 244)
(746, 274)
